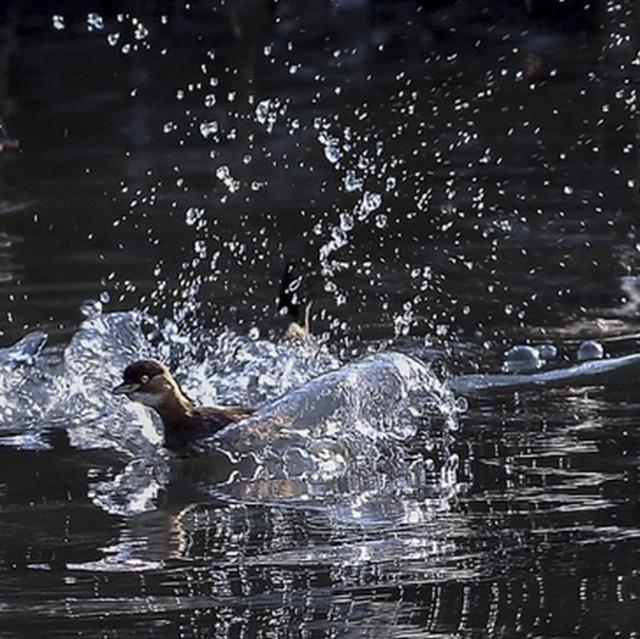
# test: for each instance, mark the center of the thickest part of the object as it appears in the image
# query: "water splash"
(341, 429)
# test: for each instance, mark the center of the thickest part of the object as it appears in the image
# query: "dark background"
(463, 174)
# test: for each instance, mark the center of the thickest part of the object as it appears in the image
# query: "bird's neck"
(175, 410)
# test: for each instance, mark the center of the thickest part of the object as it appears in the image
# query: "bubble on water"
(521, 359)
(58, 22)
(208, 128)
(590, 349)
(548, 351)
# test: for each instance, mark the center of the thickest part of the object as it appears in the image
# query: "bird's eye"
(144, 379)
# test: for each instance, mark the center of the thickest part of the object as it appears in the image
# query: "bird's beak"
(125, 388)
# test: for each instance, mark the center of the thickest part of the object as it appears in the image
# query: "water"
(451, 182)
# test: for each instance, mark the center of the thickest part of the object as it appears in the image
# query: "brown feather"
(151, 383)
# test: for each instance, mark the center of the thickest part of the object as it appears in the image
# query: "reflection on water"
(512, 522)
(453, 179)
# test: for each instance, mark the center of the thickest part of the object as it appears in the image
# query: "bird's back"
(202, 422)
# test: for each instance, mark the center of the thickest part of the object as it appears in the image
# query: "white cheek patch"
(148, 399)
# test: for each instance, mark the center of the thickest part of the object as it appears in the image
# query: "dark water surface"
(452, 179)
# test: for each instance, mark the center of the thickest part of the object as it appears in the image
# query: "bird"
(149, 382)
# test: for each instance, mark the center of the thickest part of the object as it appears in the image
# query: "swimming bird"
(149, 382)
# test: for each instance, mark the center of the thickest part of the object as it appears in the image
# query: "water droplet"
(346, 221)
(381, 220)
(95, 22)
(224, 175)
(371, 201)
(91, 308)
(58, 22)
(193, 214)
(352, 182)
(141, 32)
(332, 153)
(262, 111)
(208, 128)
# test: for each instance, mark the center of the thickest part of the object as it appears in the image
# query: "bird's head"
(147, 381)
